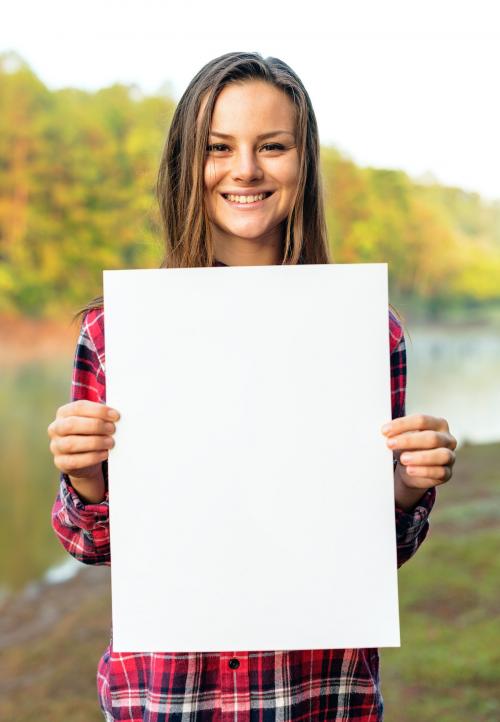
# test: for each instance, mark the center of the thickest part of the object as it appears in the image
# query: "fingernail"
(392, 442)
(113, 414)
(386, 428)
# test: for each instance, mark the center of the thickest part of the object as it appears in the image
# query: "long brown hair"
(180, 184)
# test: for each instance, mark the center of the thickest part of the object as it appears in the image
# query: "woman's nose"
(246, 166)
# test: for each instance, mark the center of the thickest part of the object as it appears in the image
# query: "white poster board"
(251, 489)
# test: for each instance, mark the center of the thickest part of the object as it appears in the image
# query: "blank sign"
(251, 489)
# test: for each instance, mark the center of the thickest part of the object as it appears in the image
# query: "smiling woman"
(238, 184)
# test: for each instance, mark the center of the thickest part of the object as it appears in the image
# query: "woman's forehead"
(252, 104)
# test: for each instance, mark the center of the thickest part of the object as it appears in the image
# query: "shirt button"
(234, 663)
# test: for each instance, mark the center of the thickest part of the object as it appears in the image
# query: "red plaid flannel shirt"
(286, 686)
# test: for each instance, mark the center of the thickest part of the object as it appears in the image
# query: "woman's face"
(252, 151)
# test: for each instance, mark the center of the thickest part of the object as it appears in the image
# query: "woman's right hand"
(81, 436)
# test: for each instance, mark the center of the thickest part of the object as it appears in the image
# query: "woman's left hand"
(424, 448)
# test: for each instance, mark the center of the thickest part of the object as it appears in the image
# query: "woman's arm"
(80, 514)
(412, 510)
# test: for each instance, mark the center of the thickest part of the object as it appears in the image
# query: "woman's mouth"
(246, 201)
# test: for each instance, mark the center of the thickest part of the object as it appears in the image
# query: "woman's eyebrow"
(259, 137)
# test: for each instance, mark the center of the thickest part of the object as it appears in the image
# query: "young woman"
(238, 184)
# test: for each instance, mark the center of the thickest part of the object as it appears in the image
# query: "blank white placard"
(251, 489)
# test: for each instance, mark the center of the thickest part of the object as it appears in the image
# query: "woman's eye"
(274, 146)
(216, 146)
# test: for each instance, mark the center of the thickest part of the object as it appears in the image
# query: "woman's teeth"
(245, 199)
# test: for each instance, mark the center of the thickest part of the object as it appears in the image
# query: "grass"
(448, 666)
(447, 669)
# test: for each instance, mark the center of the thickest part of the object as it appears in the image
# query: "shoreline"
(30, 613)
(25, 339)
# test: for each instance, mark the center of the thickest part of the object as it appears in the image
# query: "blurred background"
(407, 105)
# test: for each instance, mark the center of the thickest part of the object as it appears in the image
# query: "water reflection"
(455, 373)
(29, 396)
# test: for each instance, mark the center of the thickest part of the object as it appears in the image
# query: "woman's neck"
(243, 252)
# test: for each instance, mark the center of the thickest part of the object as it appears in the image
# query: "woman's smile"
(246, 201)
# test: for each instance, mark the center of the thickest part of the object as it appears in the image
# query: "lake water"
(455, 373)
(451, 373)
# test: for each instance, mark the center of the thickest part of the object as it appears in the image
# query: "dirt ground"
(51, 637)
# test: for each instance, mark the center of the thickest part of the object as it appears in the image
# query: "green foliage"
(77, 177)
(442, 244)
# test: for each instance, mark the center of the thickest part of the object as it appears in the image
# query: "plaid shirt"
(285, 686)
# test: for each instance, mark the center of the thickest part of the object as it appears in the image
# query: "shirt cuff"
(82, 515)
(410, 523)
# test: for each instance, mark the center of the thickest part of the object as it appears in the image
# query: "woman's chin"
(251, 234)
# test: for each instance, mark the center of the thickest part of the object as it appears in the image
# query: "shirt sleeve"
(411, 526)
(83, 529)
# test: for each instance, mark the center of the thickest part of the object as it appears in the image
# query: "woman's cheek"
(209, 176)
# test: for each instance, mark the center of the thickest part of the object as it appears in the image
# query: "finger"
(73, 462)
(414, 422)
(436, 457)
(72, 425)
(419, 440)
(80, 444)
(441, 474)
(83, 407)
